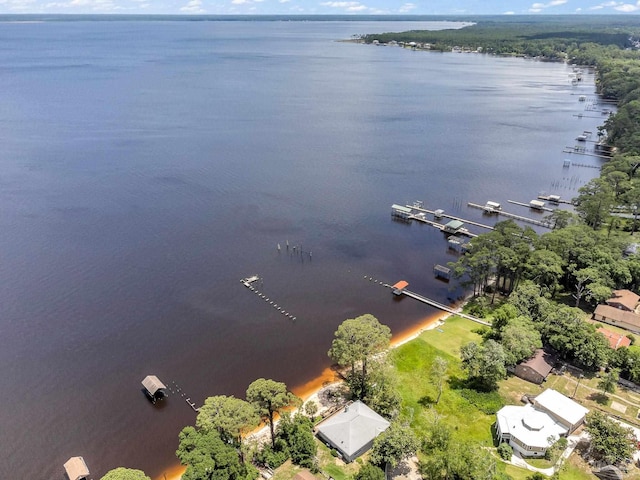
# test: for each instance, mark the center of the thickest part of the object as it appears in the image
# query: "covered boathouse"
(76, 468)
(399, 211)
(398, 288)
(154, 388)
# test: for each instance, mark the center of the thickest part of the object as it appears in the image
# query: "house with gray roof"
(352, 430)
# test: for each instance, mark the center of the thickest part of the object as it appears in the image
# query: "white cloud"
(616, 6)
(85, 6)
(627, 7)
(407, 7)
(510, 12)
(340, 4)
(194, 6)
(538, 7)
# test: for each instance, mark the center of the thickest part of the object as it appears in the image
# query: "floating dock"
(249, 280)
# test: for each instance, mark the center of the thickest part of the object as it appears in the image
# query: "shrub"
(369, 472)
(505, 451)
(267, 456)
(487, 402)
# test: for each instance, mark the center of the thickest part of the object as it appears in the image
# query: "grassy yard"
(412, 362)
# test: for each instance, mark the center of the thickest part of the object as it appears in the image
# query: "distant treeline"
(557, 38)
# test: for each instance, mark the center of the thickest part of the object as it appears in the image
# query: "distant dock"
(539, 223)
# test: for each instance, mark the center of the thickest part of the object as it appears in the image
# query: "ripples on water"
(148, 166)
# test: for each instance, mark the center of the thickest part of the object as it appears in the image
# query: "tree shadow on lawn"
(599, 398)
(427, 401)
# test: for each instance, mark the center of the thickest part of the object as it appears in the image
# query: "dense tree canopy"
(610, 441)
(122, 473)
(394, 445)
(356, 341)
(484, 364)
(296, 433)
(269, 398)
(208, 457)
(230, 416)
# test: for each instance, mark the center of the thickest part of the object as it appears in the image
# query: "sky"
(325, 7)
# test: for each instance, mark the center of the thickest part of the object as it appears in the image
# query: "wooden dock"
(582, 151)
(248, 282)
(430, 302)
(546, 209)
(539, 223)
(547, 198)
(451, 217)
(421, 218)
(443, 307)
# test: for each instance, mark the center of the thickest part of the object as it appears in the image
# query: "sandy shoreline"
(313, 388)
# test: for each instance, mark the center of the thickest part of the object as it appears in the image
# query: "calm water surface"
(147, 167)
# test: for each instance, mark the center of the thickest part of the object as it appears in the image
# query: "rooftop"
(153, 384)
(626, 298)
(541, 362)
(562, 407)
(76, 468)
(616, 340)
(530, 426)
(353, 427)
(618, 315)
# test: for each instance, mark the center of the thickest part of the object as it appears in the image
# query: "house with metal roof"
(76, 468)
(529, 431)
(533, 428)
(571, 414)
(352, 430)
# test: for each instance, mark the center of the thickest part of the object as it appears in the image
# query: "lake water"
(146, 167)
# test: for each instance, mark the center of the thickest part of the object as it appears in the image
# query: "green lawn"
(412, 362)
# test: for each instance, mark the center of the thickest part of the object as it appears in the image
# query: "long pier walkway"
(443, 307)
(546, 209)
(539, 223)
(430, 302)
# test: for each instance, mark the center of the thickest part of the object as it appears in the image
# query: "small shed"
(442, 272)
(537, 368)
(76, 468)
(400, 211)
(438, 213)
(457, 244)
(536, 204)
(554, 198)
(153, 387)
(453, 226)
(399, 287)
